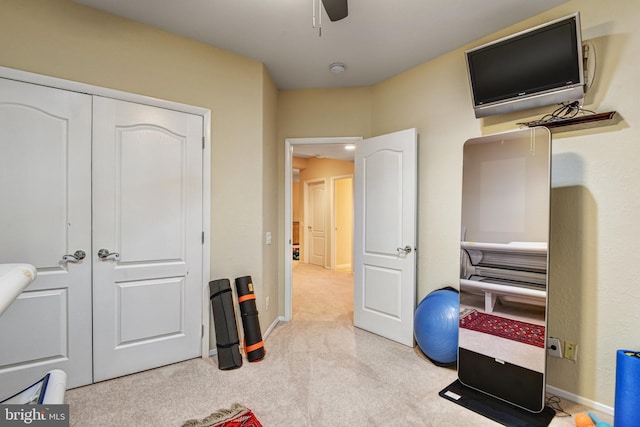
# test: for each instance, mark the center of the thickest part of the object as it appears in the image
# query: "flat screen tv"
(536, 67)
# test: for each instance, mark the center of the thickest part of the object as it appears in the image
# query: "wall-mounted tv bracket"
(588, 57)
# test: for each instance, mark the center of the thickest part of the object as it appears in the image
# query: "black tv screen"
(545, 60)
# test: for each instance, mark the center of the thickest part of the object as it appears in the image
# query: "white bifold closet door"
(45, 214)
(147, 221)
(87, 173)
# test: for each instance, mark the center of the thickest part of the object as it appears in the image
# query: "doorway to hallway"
(318, 165)
(385, 219)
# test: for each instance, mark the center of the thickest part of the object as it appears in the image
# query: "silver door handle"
(76, 257)
(106, 254)
(404, 251)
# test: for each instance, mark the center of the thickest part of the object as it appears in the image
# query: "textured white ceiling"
(379, 38)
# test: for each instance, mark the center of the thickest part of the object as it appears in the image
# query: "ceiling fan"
(336, 9)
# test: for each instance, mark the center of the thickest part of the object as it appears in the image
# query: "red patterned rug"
(236, 416)
(515, 330)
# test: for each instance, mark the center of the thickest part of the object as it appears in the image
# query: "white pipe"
(14, 278)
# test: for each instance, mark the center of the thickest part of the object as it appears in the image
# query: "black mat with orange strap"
(253, 344)
(224, 319)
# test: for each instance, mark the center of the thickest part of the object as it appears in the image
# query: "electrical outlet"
(570, 351)
(266, 303)
(554, 347)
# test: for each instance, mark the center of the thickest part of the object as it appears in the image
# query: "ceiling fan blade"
(336, 9)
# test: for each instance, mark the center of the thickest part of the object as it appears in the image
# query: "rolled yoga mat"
(627, 399)
(253, 345)
(224, 320)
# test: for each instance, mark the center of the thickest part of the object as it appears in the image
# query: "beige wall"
(313, 113)
(269, 284)
(64, 39)
(344, 223)
(295, 201)
(594, 299)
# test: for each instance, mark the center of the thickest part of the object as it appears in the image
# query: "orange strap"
(246, 298)
(254, 347)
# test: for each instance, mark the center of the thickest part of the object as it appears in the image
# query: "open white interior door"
(385, 235)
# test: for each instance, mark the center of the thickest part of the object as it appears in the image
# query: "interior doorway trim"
(289, 144)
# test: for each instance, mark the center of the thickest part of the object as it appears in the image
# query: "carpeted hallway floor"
(319, 371)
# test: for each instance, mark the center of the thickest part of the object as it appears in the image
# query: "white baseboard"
(581, 400)
(272, 326)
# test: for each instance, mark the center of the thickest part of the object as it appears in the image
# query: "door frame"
(54, 82)
(288, 182)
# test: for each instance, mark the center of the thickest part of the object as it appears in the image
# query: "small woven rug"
(236, 416)
(514, 330)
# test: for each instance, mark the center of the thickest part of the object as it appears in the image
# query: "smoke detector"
(337, 67)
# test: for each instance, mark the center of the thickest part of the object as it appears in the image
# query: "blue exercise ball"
(436, 326)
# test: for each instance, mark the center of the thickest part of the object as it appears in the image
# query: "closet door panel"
(147, 216)
(45, 194)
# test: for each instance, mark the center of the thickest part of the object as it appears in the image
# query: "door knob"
(106, 254)
(404, 251)
(76, 257)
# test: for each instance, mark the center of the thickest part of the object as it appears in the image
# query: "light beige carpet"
(319, 371)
